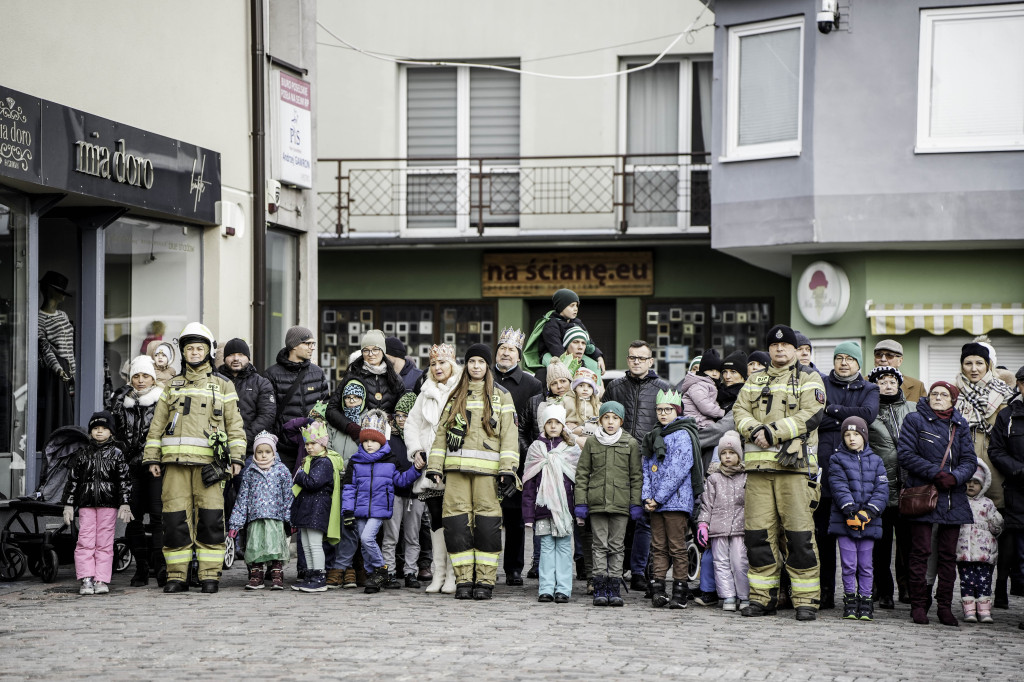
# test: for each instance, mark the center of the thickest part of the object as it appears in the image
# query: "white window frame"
(733, 150)
(462, 170)
(926, 144)
(686, 70)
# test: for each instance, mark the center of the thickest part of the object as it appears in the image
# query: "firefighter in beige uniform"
(777, 412)
(195, 440)
(477, 451)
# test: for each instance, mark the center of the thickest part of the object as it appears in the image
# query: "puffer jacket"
(1006, 450)
(666, 480)
(883, 434)
(256, 401)
(859, 483)
(98, 477)
(281, 376)
(789, 401)
(382, 393)
(858, 398)
(369, 483)
(638, 396)
(263, 495)
(609, 478)
(700, 399)
(133, 413)
(311, 508)
(480, 453)
(921, 447)
(977, 541)
(723, 501)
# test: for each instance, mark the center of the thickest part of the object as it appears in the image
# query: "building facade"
(128, 195)
(470, 170)
(887, 178)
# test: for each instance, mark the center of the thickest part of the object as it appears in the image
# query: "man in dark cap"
(396, 352)
(777, 412)
(298, 384)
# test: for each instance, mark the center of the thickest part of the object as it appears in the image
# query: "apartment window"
(455, 117)
(282, 289)
(970, 94)
(667, 140)
(764, 89)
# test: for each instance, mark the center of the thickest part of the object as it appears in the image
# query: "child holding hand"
(977, 549)
(720, 522)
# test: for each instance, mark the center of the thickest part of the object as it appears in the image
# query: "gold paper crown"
(511, 337)
(314, 432)
(443, 350)
(374, 420)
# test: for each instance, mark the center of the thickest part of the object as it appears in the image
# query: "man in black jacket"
(1006, 450)
(522, 386)
(395, 351)
(256, 400)
(638, 392)
(298, 385)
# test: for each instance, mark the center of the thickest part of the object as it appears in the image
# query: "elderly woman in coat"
(927, 435)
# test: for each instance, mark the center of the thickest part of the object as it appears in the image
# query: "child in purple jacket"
(549, 473)
(368, 491)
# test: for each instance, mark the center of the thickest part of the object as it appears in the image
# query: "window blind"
(493, 113)
(769, 87)
(431, 114)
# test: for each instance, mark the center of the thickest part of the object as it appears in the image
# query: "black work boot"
(680, 595)
(658, 596)
(482, 591)
(753, 610)
(464, 591)
(141, 577)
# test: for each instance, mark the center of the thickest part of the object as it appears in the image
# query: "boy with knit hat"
(609, 483)
(547, 337)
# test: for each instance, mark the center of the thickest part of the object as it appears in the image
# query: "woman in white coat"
(420, 430)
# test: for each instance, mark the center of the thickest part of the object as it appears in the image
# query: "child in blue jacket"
(368, 491)
(263, 506)
(860, 492)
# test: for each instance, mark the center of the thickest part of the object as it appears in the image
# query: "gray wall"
(857, 180)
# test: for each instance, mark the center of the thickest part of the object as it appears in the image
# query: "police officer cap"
(780, 333)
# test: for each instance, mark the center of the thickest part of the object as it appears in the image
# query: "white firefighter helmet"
(196, 332)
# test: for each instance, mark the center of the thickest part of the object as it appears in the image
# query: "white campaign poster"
(295, 132)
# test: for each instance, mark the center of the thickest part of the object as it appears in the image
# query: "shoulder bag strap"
(949, 445)
(292, 390)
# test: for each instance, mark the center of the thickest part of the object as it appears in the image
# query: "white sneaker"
(729, 604)
(87, 587)
(744, 603)
(100, 588)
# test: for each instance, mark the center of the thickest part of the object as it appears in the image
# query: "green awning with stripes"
(941, 318)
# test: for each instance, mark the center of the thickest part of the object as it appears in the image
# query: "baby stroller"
(35, 537)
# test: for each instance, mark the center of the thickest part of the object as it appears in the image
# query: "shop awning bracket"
(43, 203)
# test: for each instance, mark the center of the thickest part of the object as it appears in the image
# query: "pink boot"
(970, 610)
(985, 610)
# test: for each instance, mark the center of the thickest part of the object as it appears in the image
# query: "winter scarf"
(605, 438)
(376, 370)
(334, 526)
(727, 395)
(846, 380)
(731, 470)
(890, 399)
(654, 444)
(146, 398)
(551, 466)
(353, 387)
(979, 401)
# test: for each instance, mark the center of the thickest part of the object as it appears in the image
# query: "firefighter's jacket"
(479, 453)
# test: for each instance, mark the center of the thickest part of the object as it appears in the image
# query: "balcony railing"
(503, 195)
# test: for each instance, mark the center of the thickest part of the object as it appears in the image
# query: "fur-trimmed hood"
(146, 398)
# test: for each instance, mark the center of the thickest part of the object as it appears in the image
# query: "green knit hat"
(614, 407)
(851, 348)
(405, 403)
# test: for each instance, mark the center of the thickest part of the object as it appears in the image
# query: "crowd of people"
(401, 476)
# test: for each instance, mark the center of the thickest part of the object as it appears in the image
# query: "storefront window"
(152, 290)
(282, 290)
(418, 325)
(679, 331)
(13, 341)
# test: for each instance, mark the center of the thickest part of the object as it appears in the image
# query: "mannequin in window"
(56, 357)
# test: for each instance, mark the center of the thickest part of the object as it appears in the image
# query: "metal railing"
(433, 195)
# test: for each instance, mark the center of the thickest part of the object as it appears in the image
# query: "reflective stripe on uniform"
(209, 555)
(187, 450)
(804, 585)
(457, 463)
(761, 456)
(180, 556)
(184, 440)
(487, 558)
(466, 558)
(766, 582)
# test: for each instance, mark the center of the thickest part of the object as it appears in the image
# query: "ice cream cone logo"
(819, 288)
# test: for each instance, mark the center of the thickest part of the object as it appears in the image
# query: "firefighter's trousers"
(193, 519)
(779, 530)
(471, 517)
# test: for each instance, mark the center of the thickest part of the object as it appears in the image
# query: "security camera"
(828, 17)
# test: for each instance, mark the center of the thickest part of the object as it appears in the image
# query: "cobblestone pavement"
(49, 632)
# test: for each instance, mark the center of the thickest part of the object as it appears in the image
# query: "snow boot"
(658, 596)
(985, 610)
(850, 606)
(255, 577)
(680, 595)
(970, 610)
(600, 593)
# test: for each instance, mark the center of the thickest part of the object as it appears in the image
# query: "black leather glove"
(506, 485)
(434, 476)
(456, 433)
(349, 519)
(352, 430)
(944, 480)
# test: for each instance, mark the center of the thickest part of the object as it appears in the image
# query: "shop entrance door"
(598, 314)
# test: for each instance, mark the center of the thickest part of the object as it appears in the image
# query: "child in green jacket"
(609, 480)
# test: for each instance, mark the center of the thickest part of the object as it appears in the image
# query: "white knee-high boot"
(449, 576)
(440, 558)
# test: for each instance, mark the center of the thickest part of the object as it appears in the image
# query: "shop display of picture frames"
(741, 318)
(366, 316)
(330, 339)
(474, 327)
(353, 340)
(329, 316)
(426, 315)
(426, 327)
(424, 350)
(388, 328)
(449, 338)
(354, 328)
(675, 314)
(652, 317)
(486, 327)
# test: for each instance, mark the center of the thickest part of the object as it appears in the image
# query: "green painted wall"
(628, 313)
(913, 277)
(397, 275)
